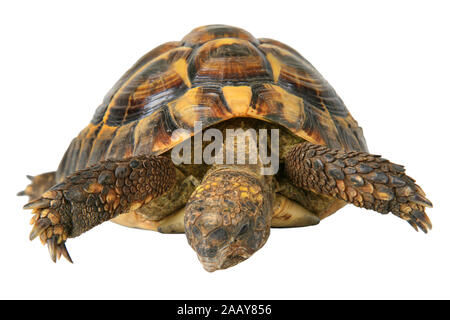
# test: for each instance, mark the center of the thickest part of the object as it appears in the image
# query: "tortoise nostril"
(205, 251)
(243, 230)
(211, 252)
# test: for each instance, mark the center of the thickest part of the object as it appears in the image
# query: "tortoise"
(121, 167)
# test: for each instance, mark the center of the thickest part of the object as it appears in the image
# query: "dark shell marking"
(214, 74)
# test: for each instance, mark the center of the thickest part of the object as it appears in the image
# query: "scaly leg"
(97, 194)
(39, 184)
(362, 179)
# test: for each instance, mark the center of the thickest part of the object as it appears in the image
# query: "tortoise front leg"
(97, 194)
(362, 179)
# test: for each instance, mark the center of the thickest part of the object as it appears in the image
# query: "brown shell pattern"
(215, 73)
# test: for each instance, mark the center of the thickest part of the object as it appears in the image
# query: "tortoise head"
(227, 219)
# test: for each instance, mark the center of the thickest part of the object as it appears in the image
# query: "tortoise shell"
(215, 73)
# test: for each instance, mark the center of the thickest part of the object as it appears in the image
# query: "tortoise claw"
(423, 221)
(47, 225)
(52, 248)
(412, 224)
(421, 226)
(418, 219)
(421, 200)
(56, 249)
(40, 226)
(64, 252)
(37, 204)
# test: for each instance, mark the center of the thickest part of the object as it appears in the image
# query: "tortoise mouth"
(229, 257)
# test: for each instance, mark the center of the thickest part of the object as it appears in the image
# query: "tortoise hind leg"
(363, 179)
(39, 184)
(95, 195)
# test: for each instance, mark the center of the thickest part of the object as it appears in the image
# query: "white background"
(388, 60)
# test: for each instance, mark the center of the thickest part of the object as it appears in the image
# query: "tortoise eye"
(218, 235)
(243, 230)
